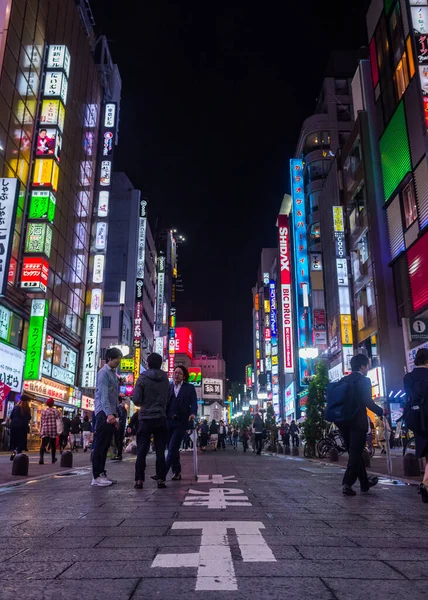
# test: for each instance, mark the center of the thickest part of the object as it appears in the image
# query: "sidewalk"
(251, 526)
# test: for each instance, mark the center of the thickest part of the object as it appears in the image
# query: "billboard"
(195, 376)
(285, 282)
(184, 341)
(36, 339)
(212, 389)
(90, 353)
(9, 190)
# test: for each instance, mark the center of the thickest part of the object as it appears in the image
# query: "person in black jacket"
(414, 381)
(20, 418)
(354, 432)
(183, 405)
(119, 433)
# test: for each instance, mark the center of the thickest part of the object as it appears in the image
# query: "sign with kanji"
(9, 190)
(36, 339)
(90, 353)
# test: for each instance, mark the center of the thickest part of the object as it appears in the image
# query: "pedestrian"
(285, 434)
(106, 395)
(222, 436)
(205, 431)
(214, 434)
(87, 429)
(382, 431)
(258, 433)
(235, 436)
(416, 411)
(49, 430)
(119, 433)
(63, 436)
(151, 394)
(294, 432)
(229, 434)
(75, 432)
(347, 403)
(19, 421)
(245, 436)
(183, 405)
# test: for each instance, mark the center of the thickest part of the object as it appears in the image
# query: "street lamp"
(308, 353)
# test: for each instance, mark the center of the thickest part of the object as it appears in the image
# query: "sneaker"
(371, 482)
(348, 491)
(138, 485)
(104, 477)
(100, 482)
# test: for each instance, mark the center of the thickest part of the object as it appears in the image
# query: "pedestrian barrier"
(66, 459)
(20, 465)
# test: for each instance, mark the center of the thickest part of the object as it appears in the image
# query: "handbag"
(59, 426)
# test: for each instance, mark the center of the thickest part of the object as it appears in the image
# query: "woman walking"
(20, 418)
(214, 434)
(49, 430)
(87, 429)
(416, 386)
(235, 437)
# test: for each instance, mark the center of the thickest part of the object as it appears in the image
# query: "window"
(317, 140)
(106, 322)
(401, 77)
(341, 86)
(359, 198)
(409, 204)
(363, 249)
(344, 112)
(343, 138)
(396, 33)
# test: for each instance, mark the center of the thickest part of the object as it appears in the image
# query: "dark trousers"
(221, 442)
(286, 440)
(175, 437)
(18, 439)
(245, 443)
(259, 442)
(355, 442)
(119, 434)
(104, 433)
(159, 429)
(63, 440)
(295, 440)
(52, 442)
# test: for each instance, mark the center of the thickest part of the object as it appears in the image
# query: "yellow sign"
(346, 329)
(137, 361)
(46, 172)
(274, 360)
(267, 306)
(258, 353)
(127, 364)
(256, 302)
(338, 218)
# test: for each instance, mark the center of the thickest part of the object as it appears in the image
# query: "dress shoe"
(176, 477)
(161, 484)
(372, 481)
(155, 477)
(138, 485)
(348, 491)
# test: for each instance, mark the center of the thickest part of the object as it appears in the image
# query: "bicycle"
(333, 440)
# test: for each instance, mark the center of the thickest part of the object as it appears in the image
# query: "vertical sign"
(139, 287)
(9, 192)
(36, 339)
(90, 353)
(172, 312)
(274, 343)
(160, 292)
(285, 282)
(302, 283)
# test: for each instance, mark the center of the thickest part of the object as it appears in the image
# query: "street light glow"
(308, 352)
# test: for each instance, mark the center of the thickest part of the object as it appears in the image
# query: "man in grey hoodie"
(151, 393)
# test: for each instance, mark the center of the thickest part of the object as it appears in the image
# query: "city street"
(251, 526)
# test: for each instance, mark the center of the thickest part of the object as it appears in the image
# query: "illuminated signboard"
(346, 329)
(96, 301)
(38, 238)
(9, 194)
(101, 235)
(56, 85)
(126, 365)
(35, 273)
(110, 116)
(195, 376)
(59, 58)
(42, 205)
(212, 389)
(273, 321)
(12, 363)
(301, 259)
(46, 173)
(285, 281)
(184, 341)
(49, 143)
(36, 339)
(98, 274)
(90, 352)
(105, 174)
(249, 375)
(160, 292)
(52, 112)
(103, 201)
(376, 378)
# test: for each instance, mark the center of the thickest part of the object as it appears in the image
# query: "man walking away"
(294, 432)
(258, 433)
(347, 403)
(221, 436)
(151, 394)
(86, 427)
(106, 395)
(120, 431)
(75, 432)
(49, 430)
(63, 438)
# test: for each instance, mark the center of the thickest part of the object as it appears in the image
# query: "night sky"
(213, 100)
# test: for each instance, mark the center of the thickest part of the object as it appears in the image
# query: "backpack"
(416, 409)
(342, 401)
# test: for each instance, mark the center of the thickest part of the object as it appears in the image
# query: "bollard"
(366, 458)
(20, 465)
(333, 455)
(66, 459)
(411, 465)
(287, 450)
(280, 449)
(295, 451)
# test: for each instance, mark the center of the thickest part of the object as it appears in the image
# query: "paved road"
(260, 527)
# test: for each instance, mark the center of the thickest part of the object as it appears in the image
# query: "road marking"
(217, 479)
(216, 571)
(217, 498)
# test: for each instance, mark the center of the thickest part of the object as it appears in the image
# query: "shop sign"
(90, 351)
(419, 329)
(195, 376)
(346, 329)
(53, 113)
(316, 261)
(98, 275)
(338, 222)
(110, 114)
(212, 389)
(376, 378)
(137, 363)
(38, 239)
(285, 280)
(59, 58)
(49, 389)
(11, 367)
(9, 193)
(42, 205)
(36, 339)
(347, 354)
(96, 301)
(126, 365)
(88, 403)
(56, 85)
(5, 319)
(103, 201)
(35, 273)
(319, 319)
(105, 173)
(336, 373)
(62, 375)
(101, 236)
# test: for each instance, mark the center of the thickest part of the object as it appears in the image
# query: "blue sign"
(273, 319)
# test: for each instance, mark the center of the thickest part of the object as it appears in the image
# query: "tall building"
(57, 133)
(130, 243)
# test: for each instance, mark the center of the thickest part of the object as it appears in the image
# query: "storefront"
(11, 371)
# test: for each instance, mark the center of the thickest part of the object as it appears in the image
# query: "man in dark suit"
(183, 405)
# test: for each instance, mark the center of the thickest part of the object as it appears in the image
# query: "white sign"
(59, 58)
(101, 236)
(56, 85)
(5, 317)
(110, 116)
(216, 571)
(419, 19)
(103, 201)
(11, 367)
(316, 261)
(376, 378)
(105, 174)
(8, 198)
(91, 351)
(96, 301)
(217, 498)
(335, 373)
(88, 403)
(141, 251)
(347, 354)
(159, 346)
(212, 389)
(342, 271)
(98, 275)
(62, 375)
